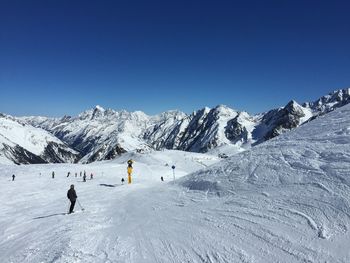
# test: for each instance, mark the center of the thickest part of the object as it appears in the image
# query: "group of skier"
(76, 175)
(71, 193)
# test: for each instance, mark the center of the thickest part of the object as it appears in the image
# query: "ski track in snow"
(284, 201)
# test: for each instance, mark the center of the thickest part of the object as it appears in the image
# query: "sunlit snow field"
(286, 200)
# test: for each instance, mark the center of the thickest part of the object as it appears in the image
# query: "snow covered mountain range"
(22, 143)
(285, 200)
(99, 134)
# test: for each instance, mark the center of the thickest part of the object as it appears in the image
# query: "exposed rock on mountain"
(22, 143)
(99, 134)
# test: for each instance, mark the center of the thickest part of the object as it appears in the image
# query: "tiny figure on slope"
(91, 176)
(76, 174)
(84, 178)
(72, 196)
(13, 177)
(80, 173)
(161, 178)
(53, 174)
(122, 180)
(68, 174)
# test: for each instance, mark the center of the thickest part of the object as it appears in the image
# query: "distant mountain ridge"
(102, 134)
(22, 143)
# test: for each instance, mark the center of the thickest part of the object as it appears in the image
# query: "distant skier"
(68, 174)
(91, 176)
(13, 177)
(122, 180)
(161, 178)
(84, 172)
(53, 174)
(84, 178)
(76, 174)
(80, 173)
(72, 196)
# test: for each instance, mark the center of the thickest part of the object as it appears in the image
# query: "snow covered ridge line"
(21, 143)
(99, 134)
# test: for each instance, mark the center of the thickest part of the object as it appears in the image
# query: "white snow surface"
(32, 139)
(14, 132)
(286, 200)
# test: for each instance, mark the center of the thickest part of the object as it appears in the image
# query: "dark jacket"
(72, 195)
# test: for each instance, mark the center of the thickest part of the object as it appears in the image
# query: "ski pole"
(82, 208)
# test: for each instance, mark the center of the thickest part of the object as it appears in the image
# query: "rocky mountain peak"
(294, 108)
(331, 101)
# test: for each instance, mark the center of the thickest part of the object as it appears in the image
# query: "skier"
(68, 174)
(13, 177)
(91, 176)
(72, 196)
(161, 178)
(80, 173)
(53, 174)
(76, 174)
(84, 178)
(122, 180)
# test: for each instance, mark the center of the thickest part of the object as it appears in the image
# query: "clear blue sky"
(61, 57)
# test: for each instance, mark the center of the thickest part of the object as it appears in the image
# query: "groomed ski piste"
(286, 200)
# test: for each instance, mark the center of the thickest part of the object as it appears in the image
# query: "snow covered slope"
(100, 134)
(22, 143)
(286, 200)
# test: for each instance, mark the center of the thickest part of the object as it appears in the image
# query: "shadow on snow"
(57, 214)
(109, 185)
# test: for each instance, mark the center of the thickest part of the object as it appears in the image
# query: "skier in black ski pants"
(72, 196)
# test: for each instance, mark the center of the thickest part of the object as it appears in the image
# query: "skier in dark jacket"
(13, 177)
(72, 196)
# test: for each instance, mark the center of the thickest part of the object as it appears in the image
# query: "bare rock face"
(283, 119)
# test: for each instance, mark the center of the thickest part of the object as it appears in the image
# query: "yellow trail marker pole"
(129, 174)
